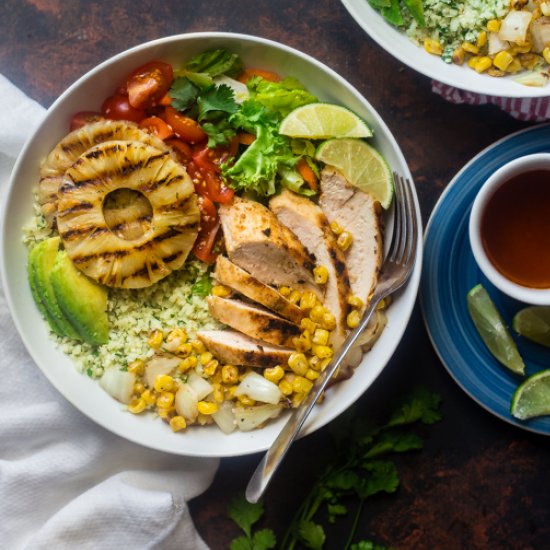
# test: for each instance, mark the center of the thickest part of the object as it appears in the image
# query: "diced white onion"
(201, 386)
(118, 384)
(186, 402)
(224, 418)
(250, 418)
(535, 78)
(259, 388)
(540, 33)
(495, 44)
(239, 89)
(515, 25)
(157, 365)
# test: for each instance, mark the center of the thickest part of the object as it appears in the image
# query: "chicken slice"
(358, 213)
(253, 321)
(235, 348)
(257, 242)
(229, 274)
(308, 222)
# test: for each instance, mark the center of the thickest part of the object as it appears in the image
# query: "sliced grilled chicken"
(308, 222)
(229, 274)
(64, 154)
(256, 241)
(236, 348)
(253, 321)
(107, 253)
(358, 213)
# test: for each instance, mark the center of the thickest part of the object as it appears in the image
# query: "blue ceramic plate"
(450, 271)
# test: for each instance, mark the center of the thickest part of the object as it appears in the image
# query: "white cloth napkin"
(65, 482)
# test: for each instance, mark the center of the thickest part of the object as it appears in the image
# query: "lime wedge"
(532, 398)
(323, 121)
(361, 164)
(534, 323)
(492, 329)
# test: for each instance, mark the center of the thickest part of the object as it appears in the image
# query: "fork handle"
(274, 456)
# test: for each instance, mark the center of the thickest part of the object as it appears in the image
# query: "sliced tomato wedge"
(208, 232)
(147, 85)
(183, 150)
(205, 173)
(184, 127)
(117, 107)
(84, 117)
(157, 126)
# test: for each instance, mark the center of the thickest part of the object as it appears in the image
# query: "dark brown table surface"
(479, 482)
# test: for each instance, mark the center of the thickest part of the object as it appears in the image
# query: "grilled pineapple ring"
(64, 154)
(96, 247)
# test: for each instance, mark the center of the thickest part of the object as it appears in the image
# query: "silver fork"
(396, 269)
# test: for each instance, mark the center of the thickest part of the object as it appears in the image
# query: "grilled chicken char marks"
(72, 146)
(100, 252)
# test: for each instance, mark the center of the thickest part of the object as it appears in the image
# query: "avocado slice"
(41, 261)
(82, 301)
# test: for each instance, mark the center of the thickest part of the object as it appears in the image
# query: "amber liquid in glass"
(515, 229)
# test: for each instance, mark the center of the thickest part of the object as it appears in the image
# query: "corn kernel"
(529, 60)
(230, 392)
(344, 240)
(302, 343)
(274, 374)
(433, 46)
(308, 300)
(207, 407)
(493, 25)
(502, 60)
(177, 334)
(317, 313)
(185, 349)
(298, 363)
(483, 64)
(353, 319)
(211, 367)
(329, 321)
(139, 388)
(320, 274)
(165, 412)
(312, 374)
(514, 67)
(218, 393)
(523, 47)
(137, 406)
(156, 339)
(473, 61)
(296, 399)
(198, 346)
(324, 363)
(164, 382)
(205, 357)
(165, 400)
(470, 48)
(308, 324)
(221, 291)
(285, 291)
(355, 301)
(537, 12)
(458, 56)
(246, 401)
(188, 363)
(301, 384)
(546, 54)
(336, 228)
(150, 397)
(285, 387)
(137, 367)
(177, 423)
(294, 296)
(230, 374)
(323, 352)
(481, 39)
(320, 336)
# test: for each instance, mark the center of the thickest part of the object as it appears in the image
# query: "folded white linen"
(65, 482)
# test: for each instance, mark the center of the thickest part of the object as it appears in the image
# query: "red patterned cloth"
(536, 109)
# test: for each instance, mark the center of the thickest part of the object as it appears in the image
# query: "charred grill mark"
(171, 258)
(286, 328)
(81, 207)
(267, 231)
(78, 233)
(164, 182)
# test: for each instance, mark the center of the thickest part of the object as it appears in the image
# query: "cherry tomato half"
(183, 150)
(148, 84)
(117, 107)
(209, 228)
(208, 182)
(157, 126)
(184, 127)
(84, 117)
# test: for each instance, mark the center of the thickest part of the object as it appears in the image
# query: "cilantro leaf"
(421, 405)
(216, 98)
(311, 534)
(219, 132)
(367, 545)
(394, 441)
(183, 93)
(241, 543)
(382, 477)
(245, 514)
(336, 510)
(202, 286)
(344, 480)
(263, 539)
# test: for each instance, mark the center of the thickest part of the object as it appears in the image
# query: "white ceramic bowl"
(528, 163)
(406, 51)
(87, 94)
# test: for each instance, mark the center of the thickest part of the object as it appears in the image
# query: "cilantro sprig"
(362, 467)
